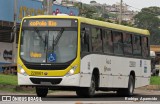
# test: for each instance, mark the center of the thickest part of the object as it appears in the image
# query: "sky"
(135, 4)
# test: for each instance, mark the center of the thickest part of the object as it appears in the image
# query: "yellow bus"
(81, 54)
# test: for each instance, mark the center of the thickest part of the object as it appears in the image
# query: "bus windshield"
(50, 45)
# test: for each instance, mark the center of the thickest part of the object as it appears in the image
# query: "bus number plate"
(35, 73)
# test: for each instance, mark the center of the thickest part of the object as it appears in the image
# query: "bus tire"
(128, 91)
(41, 92)
(88, 91)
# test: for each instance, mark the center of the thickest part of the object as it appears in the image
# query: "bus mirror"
(12, 37)
(82, 31)
(84, 35)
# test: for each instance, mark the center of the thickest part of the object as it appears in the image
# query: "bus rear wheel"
(41, 92)
(128, 91)
(89, 91)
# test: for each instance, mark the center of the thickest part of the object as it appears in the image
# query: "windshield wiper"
(37, 31)
(43, 40)
(53, 43)
(45, 43)
(58, 36)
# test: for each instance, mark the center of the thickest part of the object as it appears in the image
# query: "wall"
(29, 7)
(5, 53)
(63, 9)
(24, 8)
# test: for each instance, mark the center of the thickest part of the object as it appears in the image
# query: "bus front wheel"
(88, 91)
(41, 92)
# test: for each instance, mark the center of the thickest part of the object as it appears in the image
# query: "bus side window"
(107, 42)
(145, 48)
(84, 40)
(137, 45)
(117, 41)
(96, 40)
(127, 43)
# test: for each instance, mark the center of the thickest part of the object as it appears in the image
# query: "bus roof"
(98, 23)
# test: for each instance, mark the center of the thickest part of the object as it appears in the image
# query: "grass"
(9, 83)
(155, 80)
(8, 80)
(12, 80)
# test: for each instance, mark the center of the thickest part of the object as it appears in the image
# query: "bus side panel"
(119, 71)
(85, 72)
(109, 71)
(106, 81)
(114, 71)
(146, 72)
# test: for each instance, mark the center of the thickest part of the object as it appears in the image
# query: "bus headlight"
(22, 71)
(72, 70)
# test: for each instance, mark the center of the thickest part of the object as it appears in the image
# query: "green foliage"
(99, 18)
(127, 24)
(93, 1)
(155, 11)
(155, 80)
(88, 11)
(148, 19)
(8, 79)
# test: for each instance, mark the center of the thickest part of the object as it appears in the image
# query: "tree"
(85, 10)
(88, 11)
(147, 18)
(93, 2)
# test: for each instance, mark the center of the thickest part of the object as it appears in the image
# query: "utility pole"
(47, 5)
(120, 18)
(14, 45)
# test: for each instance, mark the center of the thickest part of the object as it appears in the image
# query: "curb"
(150, 87)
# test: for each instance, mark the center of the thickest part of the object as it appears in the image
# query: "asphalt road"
(140, 95)
(69, 97)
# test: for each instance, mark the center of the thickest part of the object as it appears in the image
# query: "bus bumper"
(72, 80)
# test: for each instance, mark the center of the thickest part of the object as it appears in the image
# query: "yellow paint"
(51, 73)
(35, 55)
(25, 11)
(52, 23)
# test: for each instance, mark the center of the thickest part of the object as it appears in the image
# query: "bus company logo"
(45, 73)
(6, 98)
(132, 64)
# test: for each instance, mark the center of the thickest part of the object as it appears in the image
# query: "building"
(127, 15)
(24, 8)
(7, 18)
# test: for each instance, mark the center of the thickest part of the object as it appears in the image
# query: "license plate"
(46, 83)
(36, 73)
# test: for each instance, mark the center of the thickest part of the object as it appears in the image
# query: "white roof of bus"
(98, 23)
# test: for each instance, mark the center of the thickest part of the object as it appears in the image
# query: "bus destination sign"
(50, 23)
(42, 23)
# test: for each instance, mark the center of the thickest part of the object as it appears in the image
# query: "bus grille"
(51, 80)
